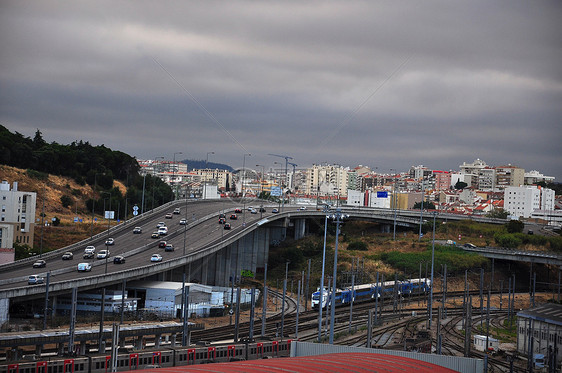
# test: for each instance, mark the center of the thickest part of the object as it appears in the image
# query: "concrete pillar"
(60, 349)
(122, 342)
(157, 340)
(173, 340)
(38, 350)
(4, 310)
(227, 266)
(54, 305)
(82, 348)
(139, 343)
(205, 270)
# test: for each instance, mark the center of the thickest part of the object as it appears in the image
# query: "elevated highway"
(203, 249)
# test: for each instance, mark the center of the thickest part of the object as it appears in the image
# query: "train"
(366, 292)
(163, 357)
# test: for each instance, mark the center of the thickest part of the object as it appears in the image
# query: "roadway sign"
(276, 191)
(135, 213)
(135, 208)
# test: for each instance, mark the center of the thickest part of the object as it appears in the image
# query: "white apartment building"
(523, 201)
(534, 176)
(326, 180)
(17, 219)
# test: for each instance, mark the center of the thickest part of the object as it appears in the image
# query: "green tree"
(426, 205)
(460, 185)
(515, 226)
(65, 201)
(358, 245)
(498, 213)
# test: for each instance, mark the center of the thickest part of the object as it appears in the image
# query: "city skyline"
(384, 85)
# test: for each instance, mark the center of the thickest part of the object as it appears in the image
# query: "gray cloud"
(482, 80)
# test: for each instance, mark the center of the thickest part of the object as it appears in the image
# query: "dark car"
(226, 226)
(238, 210)
(67, 256)
(89, 255)
(39, 264)
(221, 215)
(119, 259)
(222, 220)
(233, 217)
(169, 247)
(469, 246)
(262, 209)
(162, 244)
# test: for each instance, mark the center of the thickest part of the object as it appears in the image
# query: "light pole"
(143, 186)
(292, 184)
(206, 169)
(421, 210)
(338, 216)
(432, 262)
(321, 301)
(394, 197)
(261, 178)
(242, 189)
(107, 218)
(174, 174)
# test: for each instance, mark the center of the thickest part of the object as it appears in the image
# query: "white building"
(326, 180)
(534, 176)
(17, 219)
(523, 201)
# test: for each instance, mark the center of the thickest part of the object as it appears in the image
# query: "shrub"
(515, 226)
(507, 240)
(37, 174)
(357, 245)
(65, 200)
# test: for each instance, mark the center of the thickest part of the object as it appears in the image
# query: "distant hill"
(195, 164)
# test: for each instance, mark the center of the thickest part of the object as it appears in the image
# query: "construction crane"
(286, 164)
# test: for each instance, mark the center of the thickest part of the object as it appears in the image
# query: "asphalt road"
(138, 248)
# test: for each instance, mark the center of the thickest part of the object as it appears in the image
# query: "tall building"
(17, 219)
(523, 201)
(509, 175)
(327, 180)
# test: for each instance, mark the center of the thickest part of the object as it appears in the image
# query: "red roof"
(341, 362)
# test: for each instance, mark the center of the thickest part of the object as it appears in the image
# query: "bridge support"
(4, 310)
(300, 228)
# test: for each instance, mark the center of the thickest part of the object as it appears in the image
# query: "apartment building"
(508, 176)
(523, 201)
(327, 180)
(17, 219)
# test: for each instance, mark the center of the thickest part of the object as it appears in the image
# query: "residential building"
(508, 176)
(17, 219)
(523, 201)
(442, 180)
(327, 180)
(534, 176)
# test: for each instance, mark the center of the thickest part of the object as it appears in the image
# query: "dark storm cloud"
(383, 84)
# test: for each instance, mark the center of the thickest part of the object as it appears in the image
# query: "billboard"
(382, 194)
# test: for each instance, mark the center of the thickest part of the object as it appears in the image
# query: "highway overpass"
(205, 251)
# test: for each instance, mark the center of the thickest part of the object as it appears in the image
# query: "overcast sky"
(386, 84)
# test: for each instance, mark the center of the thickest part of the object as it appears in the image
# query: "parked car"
(162, 244)
(35, 279)
(39, 263)
(155, 235)
(137, 230)
(238, 210)
(169, 247)
(226, 225)
(103, 254)
(233, 217)
(169, 215)
(67, 256)
(84, 267)
(110, 241)
(177, 211)
(156, 258)
(119, 259)
(183, 221)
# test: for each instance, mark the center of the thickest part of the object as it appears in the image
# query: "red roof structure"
(339, 362)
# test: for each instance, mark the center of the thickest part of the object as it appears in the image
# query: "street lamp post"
(432, 262)
(174, 174)
(205, 180)
(338, 216)
(242, 189)
(154, 179)
(321, 301)
(107, 218)
(261, 178)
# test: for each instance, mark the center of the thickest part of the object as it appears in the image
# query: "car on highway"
(110, 241)
(155, 235)
(162, 231)
(160, 224)
(39, 264)
(156, 258)
(84, 267)
(67, 256)
(183, 221)
(302, 208)
(221, 215)
(226, 225)
(89, 255)
(233, 217)
(169, 247)
(177, 211)
(253, 211)
(90, 250)
(103, 254)
(35, 279)
(119, 259)
(275, 211)
(137, 230)
(262, 209)
(469, 246)
(238, 210)
(169, 215)
(162, 244)
(222, 220)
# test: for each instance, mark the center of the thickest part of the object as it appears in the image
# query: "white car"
(90, 250)
(161, 224)
(162, 231)
(103, 254)
(110, 241)
(156, 258)
(302, 208)
(183, 221)
(84, 267)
